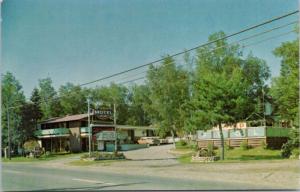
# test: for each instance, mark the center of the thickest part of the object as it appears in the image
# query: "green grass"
(184, 159)
(240, 155)
(40, 159)
(257, 153)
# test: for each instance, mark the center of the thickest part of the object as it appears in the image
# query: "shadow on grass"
(99, 186)
(256, 157)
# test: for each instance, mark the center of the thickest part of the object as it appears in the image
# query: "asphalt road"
(27, 176)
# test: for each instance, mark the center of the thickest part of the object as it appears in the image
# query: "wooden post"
(60, 144)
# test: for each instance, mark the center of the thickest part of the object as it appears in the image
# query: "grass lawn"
(42, 158)
(238, 155)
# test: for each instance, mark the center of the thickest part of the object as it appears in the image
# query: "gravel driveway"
(151, 156)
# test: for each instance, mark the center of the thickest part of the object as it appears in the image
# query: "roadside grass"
(41, 158)
(257, 153)
(240, 155)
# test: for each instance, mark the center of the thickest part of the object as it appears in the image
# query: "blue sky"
(79, 41)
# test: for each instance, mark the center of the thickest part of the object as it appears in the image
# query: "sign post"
(115, 125)
(90, 131)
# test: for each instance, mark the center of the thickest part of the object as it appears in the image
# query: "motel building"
(71, 133)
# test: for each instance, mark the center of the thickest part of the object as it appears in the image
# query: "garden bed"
(98, 156)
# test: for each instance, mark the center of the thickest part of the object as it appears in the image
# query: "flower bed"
(96, 156)
(204, 159)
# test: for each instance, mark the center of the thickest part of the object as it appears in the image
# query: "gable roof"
(66, 118)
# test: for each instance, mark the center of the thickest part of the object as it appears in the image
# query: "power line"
(243, 46)
(235, 42)
(194, 48)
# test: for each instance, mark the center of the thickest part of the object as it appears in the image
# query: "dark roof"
(66, 118)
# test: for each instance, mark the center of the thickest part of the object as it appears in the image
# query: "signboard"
(104, 114)
(109, 136)
(106, 135)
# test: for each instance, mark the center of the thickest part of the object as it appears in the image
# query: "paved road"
(150, 168)
(27, 176)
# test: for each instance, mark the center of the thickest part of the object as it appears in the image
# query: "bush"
(46, 154)
(31, 145)
(210, 149)
(295, 153)
(286, 150)
(104, 156)
(227, 147)
(181, 143)
(263, 145)
(244, 145)
(194, 146)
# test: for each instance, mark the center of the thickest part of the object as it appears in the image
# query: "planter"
(204, 159)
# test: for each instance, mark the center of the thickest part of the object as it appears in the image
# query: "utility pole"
(115, 125)
(90, 129)
(8, 133)
(264, 110)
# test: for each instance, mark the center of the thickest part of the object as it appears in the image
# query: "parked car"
(149, 140)
(170, 139)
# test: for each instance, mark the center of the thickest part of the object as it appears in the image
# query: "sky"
(80, 41)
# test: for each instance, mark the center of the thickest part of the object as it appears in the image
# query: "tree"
(72, 99)
(12, 99)
(222, 93)
(285, 88)
(138, 100)
(113, 94)
(50, 104)
(36, 105)
(168, 85)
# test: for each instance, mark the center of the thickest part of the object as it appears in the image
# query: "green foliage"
(227, 147)
(168, 85)
(109, 95)
(72, 99)
(295, 153)
(12, 96)
(286, 150)
(210, 149)
(223, 91)
(31, 145)
(257, 153)
(181, 143)
(285, 88)
(104, 156)
(244, 145)
(50, 106)
(264, 145)
(139, 102)
(294, 137)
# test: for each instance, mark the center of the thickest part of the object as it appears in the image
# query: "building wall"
(75, 141)
(74, 124)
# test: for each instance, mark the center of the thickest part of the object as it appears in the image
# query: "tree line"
(221, 85)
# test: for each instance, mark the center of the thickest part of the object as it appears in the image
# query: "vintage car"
(149, 140)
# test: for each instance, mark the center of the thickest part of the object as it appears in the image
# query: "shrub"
(227, 147)
(181, 143)
(295, 153)
(286, 150)
(203, 152)
(294, 137)
(263, 145)
(194, 146)
(31, 145)
(210, 149)
(244, 145)
(104, 156)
